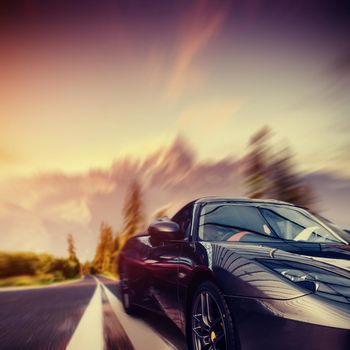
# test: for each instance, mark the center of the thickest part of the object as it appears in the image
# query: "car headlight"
(304, 279)
(319, 281)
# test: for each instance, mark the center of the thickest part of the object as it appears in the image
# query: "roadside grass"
(39, 280)
(28, 268)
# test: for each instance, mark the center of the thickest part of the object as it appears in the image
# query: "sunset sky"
(82, 84)
(85, 83)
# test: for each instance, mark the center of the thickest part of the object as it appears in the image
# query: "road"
(86, 314)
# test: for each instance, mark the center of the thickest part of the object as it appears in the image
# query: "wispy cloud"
(197, 29)
(210, 115)
(341, 65)
(155, 65)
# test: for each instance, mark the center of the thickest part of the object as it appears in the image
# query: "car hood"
(254, 270)
(323, 255)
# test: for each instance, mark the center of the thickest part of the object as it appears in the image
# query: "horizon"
(49, 206)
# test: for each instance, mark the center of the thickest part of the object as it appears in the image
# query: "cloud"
(22, 229)
(341, 65)
(155, 64)
(197, 28)
(210, 115)
(37, 213)
(75, 210)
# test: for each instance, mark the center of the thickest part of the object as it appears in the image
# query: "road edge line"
(89, 332)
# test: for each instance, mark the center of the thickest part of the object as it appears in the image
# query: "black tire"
(212, 330)
(127, 294)
(128, 306)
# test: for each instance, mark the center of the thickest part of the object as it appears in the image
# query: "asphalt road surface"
(86, 314)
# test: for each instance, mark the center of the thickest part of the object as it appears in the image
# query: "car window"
(297, 225)
(184, 218)
(235, 222)
(344, 234)
(229, 222)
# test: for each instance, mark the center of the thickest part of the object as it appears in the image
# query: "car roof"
(215, 199)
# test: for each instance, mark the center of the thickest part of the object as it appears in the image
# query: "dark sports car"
(243, 274)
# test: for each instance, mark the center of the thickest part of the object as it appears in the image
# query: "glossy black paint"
(163, 229)
(270, 311)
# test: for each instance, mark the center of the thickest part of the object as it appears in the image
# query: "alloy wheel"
(208, 329)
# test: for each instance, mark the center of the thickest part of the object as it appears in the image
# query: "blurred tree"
(108, 249)
(86, 268)
(33, 264)
(73, 261)
(16, 264)
(288, 186)
(133, 222)
(104, 250)
(71, 248)
(132, 213)
(116, 249)
(256, 169)
(271, 174)
(98, 259)
(116, 242)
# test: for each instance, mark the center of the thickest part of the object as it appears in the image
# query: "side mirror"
(164, 230)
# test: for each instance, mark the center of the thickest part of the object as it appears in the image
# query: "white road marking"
(140, 334)
(89, 332)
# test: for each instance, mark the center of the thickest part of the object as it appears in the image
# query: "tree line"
(106, 256)
(20, 268)
(270, 172)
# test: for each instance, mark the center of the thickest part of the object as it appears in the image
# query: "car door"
(133, 266)
(164, 268)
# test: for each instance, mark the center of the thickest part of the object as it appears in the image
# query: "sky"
(84, 84)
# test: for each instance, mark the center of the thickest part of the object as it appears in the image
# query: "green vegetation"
(25, 268)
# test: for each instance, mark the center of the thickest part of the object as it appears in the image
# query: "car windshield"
(237, 222)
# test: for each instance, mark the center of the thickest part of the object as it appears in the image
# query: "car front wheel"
(210, 323)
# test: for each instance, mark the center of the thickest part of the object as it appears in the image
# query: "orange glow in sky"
(83, 87)
(80, 91)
